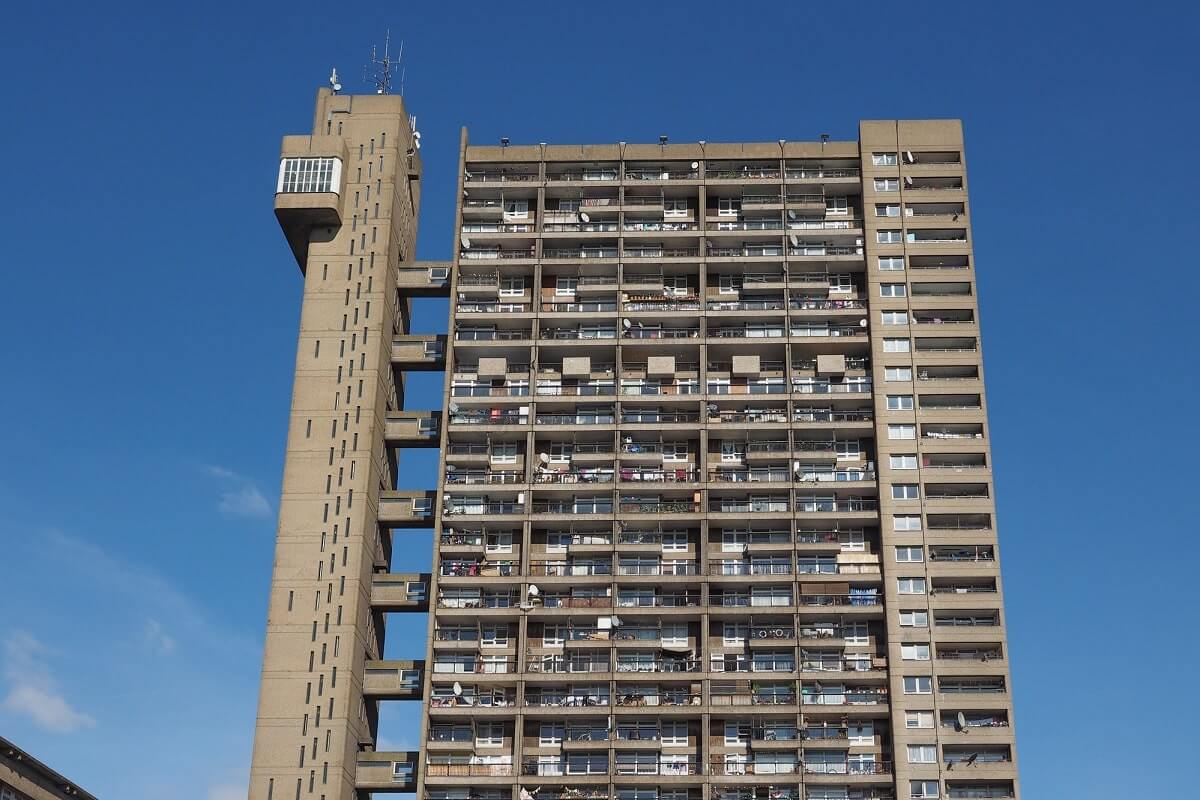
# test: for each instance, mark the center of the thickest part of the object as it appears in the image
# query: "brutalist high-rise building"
(713, 516)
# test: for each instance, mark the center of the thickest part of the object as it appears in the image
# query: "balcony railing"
(660, 507)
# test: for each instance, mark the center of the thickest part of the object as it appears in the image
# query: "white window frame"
(837, 205)
(895, 374)
(902, 461)
(914, 619)
(891, 263)
(915, 720)
(884, 159)
(906, 491)
(910, 586)
(922, 754)
(906, 522)
(893, 290)
(910, 554)
(565, 285)
(887, 209)
(902, 432)
(895, 345)
(918, 684)
(887, 184)
(504, 453)
(916, 651)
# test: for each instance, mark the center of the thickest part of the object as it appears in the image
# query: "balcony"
(419, 353)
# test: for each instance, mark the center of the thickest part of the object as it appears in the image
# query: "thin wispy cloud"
(157, 638)
(32, 690)
(242, 498)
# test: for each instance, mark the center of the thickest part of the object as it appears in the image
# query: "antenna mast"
(380, 68)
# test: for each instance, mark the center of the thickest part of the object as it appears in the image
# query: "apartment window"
(918, 719)
(905, 491)
(887, 209)
(910, 585)
(674, 734)
(902, 461)
(734, 634)
(504, 453)
(887, 184)
(883, 159)
(675, 284)
(902, 431)
(499, 543)
(910, 554)
(728, 207)
(891, 264)
(893, 290)
(914, 652)
(847, 449)
(566, 285)
(489, 734)
(837, 205)
(568, 205)
(895, 345)
(914, 619)
(309, 175)
(675, 207)
(675, 451)
(900, 402)
(918, 684)
(674, 542)
(897, 373)
(922, 754)
(512, 287)
(922, 790)
(550, 734)
(729, 284)
(888, 237)
(516, 209)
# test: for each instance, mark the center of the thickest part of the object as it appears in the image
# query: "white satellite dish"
(417, 135)
(467, 172)
(466, 243)
(451, 468)
(794, 240)
(791, 214)
(616, 621)
(583, 216)
(544, 458)
(695, 165)
(962, 722)
(533, 591)
(909, 157)
(333, 81)
(628, 440)
(862, 323)
(457, 689)
(908, 181)
(453, 408)
(625, 324)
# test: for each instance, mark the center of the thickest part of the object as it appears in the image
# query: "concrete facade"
(23, 777)
(715, 515)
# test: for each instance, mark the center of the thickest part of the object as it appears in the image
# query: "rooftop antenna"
(333, 81)
(381, 68)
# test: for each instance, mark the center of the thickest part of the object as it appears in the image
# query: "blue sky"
(150, 306)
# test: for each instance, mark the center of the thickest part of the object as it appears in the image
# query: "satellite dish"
(544, 458)
(451, 468)
(907, 181)
(466, 243)
(417, 135)
(625, 324)
(862, 323)
(713, 407)
(533, 591)
(333, 81)
(467, 172)
(453, 408)
(457, 689)
(616, 621)
(695, 165)
(795, 240)
(791, 214)
(583, 216)
(909, 156)
(962, 722)
(628, 440)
